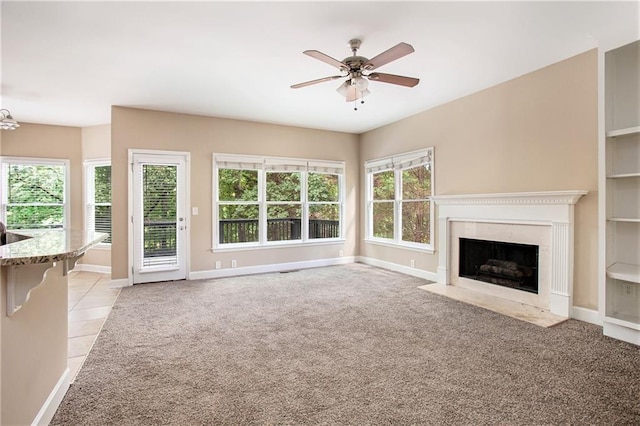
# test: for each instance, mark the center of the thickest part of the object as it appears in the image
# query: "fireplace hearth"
(505, 264)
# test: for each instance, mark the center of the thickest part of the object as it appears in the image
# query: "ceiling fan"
(358, 70)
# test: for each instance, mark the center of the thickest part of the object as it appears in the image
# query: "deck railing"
(285, 229)
(160, 237)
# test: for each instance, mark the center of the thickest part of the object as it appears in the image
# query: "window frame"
(398, 163)
(263, 165)
(6, 161)
(89, 194)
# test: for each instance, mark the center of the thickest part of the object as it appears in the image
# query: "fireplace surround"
(543, 219)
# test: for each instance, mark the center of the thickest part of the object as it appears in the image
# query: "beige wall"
(537, 132)
(34, 346)
(202, 136)
(44, 141)
(96, 144)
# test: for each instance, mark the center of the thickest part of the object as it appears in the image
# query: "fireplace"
(542, 219)
(501, 263)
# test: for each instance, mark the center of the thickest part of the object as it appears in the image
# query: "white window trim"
(87, 195)
(37, 161)
(277, 164)
(397, 163)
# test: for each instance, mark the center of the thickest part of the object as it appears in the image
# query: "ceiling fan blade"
(394, 79)
(396, 52)
(325, 58)
(320, 80)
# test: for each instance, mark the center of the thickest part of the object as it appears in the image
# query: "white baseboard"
(275, 267)
(92, 268)
(621, 332)
(122, 282)
(415, 272)
(50, 406)
(586, 315)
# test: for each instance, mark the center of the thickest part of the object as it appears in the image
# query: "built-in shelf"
(620, 190)
(623, 175)
(624, 272)
(623, 132)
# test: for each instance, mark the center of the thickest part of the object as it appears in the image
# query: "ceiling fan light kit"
(357, 70)
(6, 120)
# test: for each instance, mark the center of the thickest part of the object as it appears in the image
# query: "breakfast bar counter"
(46, 245)
(34, 267)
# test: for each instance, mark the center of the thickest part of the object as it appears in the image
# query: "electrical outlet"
(412, 263)
(234, 263)
(340, 253)
(218, 264)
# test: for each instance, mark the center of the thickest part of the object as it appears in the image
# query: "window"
(266, 201)
(98, 197)
(34, 193)
(399, 206)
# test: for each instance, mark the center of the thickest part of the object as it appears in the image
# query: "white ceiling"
(66, 63)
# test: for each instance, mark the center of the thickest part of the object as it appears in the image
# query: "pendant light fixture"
(6, 120)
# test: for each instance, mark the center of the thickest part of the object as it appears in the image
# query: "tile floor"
(91, 296)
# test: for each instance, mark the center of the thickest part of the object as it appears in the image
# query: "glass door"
(159, 218)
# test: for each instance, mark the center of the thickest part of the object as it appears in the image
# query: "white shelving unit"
(622, 194)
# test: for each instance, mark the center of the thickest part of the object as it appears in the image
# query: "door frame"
(187, 202)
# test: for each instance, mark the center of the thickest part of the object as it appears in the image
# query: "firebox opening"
(505, 264)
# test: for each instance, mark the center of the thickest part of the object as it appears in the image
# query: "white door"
(159, 217)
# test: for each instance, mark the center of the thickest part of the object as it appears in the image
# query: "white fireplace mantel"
(553, 209)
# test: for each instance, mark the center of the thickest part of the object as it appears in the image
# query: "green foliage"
(238, 211)
(416, 185)
(415, 221)
(160, 193)
(237, 185)
(323, 187)
(283, 186)
(239, 208)
(33, 217)
(384, 185)
(35, 196)
(383, 219)
(102, 184)
(324, 212)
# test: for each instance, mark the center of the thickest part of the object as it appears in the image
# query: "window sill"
(277, 245)
(421, 249)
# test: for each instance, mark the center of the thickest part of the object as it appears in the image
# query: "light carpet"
(348, 344)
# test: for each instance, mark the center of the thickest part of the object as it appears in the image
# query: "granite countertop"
(46, 245)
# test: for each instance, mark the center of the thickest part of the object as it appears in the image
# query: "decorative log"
(506, 267)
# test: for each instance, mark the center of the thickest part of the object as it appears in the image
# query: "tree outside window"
(415, 204)
(98, 197)
(284, 206)
(238, 207)
(399, 199)
(383, 204)
(270, 200)
(34, 193)
(323, 194)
